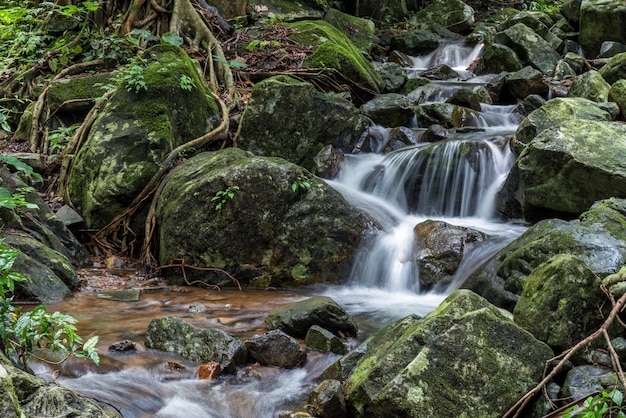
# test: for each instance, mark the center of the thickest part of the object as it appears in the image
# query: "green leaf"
(173, 39)
(617, 397)
(237, 64)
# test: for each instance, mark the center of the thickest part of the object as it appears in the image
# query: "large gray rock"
(530, 47)
(134, 133)
(617, 94)
(275, 348)
(296, 318)
(445, 114)
(614, 69)
(273, 124)
(561, 302)
(390, 110)
(601, 21)
(282, 226)
(497, 58)
(465, 359)
(201, 345)
(455, 15)
(598, 238)
(565, 169)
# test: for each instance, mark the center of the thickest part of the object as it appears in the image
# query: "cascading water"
(454, 180)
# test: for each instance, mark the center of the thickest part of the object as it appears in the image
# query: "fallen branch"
(617, 307)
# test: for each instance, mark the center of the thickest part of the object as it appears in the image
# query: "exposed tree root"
(182, 266)
(617, 307)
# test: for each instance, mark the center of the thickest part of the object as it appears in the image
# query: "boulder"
(466, 358)
(614, 69)
(597, 238)
(445, 114)
(335, 50)
(565, 169)
(362, 32)
(454, 15)
(272, 124)
(379, 10)
(265, 221)
(275, 348)
(601, 21)
(617, 94)
(390, 110)
(296, 318)
(439, 249)
(590, 85)
(327, 400)
(201, 345)
(497, 58)
(561, 302)
(531, 48)
(525, 82)
(417, 41)
(134, 133)
(392, 74)
(320, 339)
(553, 113)
(584, 380)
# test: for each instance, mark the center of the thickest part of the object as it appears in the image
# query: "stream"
(454, 180)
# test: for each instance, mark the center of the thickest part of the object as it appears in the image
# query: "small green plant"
(19, 166)
(600, 405)
(301, 183)
(186, 83)
(59, 138)
(131, 76)
(222, 196)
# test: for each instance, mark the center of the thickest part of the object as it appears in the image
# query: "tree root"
(182, 266)
(109, 236)
(617, 307)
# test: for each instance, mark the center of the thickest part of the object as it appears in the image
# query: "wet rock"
(296, 318)
(498, 58)
(124, 346)
(454, 15)
(416, 42)
(610, 48)
(328, 162)
(317, 338)
(272, 124)
(434, 133)
(439, 249)
(446, 115)
(134, 133)
(590, 85)
(561, 302)
(393, 76)
(283, 226)
(196, 307)
(531, 48)
(362, 32)
(565, 169)
(174, 335)
(601, 21)
(327, 400)
(209, 371)
(440, 72)
(583, 380)
(525, 82)
(389, 110)
(275, 348)
(429, 367)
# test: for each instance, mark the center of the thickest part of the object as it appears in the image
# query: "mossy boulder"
(565, 169)
(530, 47)
(465, 359)
(335, 50)
(598, 238)
(71, 98)
(134, 133)
(617, 94)
(290, 119)
(601, 21)
(561, 302)
(26, 395)
(362, 32)
(498, 58)
(201, 345)
(553, 113)
(614, 69)
(590, 85)
(276, 225)
(455, 15)
(390, 110)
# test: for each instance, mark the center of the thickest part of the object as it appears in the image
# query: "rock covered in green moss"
(614, 69)
(590, 85)
(561, 302)
(203, 345)
(291, 119)
(617, 94)
(455, 15)
(598, 238)
(335, 50)
(362, 32)
(276, 225)
(565, 169)
(296, 318)
(136, 130)
(601, 21)
(531, 48)
(465, 359)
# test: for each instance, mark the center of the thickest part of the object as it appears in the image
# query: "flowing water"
(454, 180)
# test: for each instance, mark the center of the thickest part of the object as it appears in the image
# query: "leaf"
(294, 186)
(237, 64)
(173, 39)
(617, 397)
